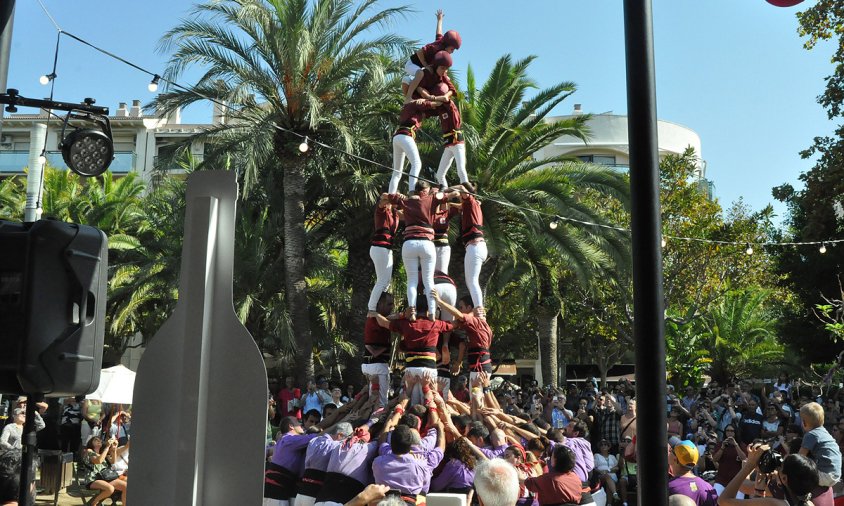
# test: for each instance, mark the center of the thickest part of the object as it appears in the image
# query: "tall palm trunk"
(296, 288)
(359, 273)
(547, 326)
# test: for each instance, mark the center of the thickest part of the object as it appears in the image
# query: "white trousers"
(382, 259)
(328, 503)
(416, 253)
(443, 259)
(448, 293)
(404, 145)
(417, 396)
(456, 152)
(410, 70)
(303, 500)
(275, 502)
(381, 372)
(475, 256)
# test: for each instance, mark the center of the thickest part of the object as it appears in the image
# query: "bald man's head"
(681, 500)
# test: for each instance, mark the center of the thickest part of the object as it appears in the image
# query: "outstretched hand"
(440, 15)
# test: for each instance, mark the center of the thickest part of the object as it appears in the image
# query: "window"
(599, 159)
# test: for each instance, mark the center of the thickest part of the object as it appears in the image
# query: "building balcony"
(13, 162)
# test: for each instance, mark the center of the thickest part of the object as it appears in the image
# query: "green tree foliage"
(740, 335)
(292, 64)
(810, 275)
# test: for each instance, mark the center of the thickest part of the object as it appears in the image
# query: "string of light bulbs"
(304, 146)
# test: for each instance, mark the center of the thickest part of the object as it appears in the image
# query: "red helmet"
(451, 38)
(442, 59)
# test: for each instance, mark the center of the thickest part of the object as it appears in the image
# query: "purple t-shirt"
(699, 490)
(319, 452)
(494, 451)
(410, 473)
(354, 462)
(454, 474)
(290, 452)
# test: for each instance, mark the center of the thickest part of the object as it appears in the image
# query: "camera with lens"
(770, 461)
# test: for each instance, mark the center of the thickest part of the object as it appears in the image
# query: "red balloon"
(784, 3)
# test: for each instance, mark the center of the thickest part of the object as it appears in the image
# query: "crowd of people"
(420, 426)
(764, 443)
(97, 434)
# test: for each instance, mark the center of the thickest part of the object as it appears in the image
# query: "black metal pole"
(7, 18)
(648, 323)
(29, 447)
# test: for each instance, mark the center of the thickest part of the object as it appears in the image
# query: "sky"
(734, 71)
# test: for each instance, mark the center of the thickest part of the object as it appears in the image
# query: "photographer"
(729, 455)
(793, 486)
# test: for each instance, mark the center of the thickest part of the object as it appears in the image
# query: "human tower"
(426, 252)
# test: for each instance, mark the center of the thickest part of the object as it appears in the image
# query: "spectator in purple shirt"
(316, 461)
(575, 439)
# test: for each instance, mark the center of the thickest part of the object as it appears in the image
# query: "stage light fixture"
(87, 151)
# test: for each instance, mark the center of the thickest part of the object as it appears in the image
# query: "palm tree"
(504, 132)
(285, 67)
(740, 334)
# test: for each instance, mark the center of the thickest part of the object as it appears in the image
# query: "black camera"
(770, 461)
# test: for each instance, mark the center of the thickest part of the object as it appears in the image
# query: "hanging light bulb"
(303, 148)
(822, 249)
(749, 249)
(664, 242)
(42, 159)
(45, 79)
(153, 85)
(554, 224)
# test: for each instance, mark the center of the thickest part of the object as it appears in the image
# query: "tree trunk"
(295, 241)
(360, 278)
(547, 327)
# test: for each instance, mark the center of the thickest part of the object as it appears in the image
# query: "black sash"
(339, 488)
(311, 482)
(279, 483)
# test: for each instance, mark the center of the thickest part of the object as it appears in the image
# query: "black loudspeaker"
(52, 307)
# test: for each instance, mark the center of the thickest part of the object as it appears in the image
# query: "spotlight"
(89, 151)
(153, 85)
(45, 80)
(664, 242)
(303, 148)
(749, 249)
(553, 225)
(822, 249)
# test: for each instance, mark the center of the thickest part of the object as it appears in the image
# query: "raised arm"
(458, 315)
(440, 17)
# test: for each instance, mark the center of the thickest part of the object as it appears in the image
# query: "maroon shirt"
(480, 338)
(386, 224)
(412, 115)
(450, 122)
(431, 83)
(429, 50)
(472, 223)
(418, 214)
(375, 335)
(419, 340)
(441, 220)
